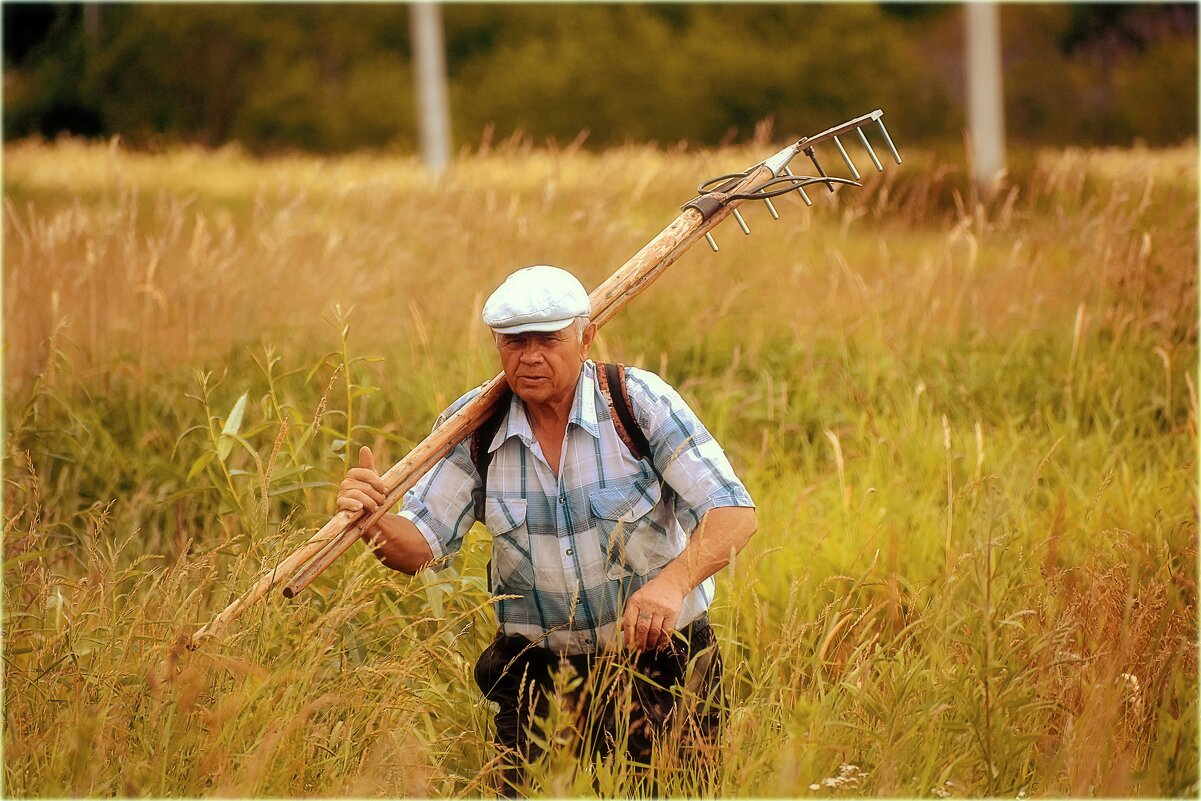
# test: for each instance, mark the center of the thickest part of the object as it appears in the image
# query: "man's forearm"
(398, 544)
(722, 532)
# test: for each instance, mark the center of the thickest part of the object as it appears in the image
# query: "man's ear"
(586, 338)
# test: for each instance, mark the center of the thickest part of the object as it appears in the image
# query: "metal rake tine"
(712, 242)
(870, 152)
(887, 140)
(847, 159)
(741, 222)
(813, 157)
(800, 189)
(775, 215)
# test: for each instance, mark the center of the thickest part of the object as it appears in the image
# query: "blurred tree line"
(332, 78)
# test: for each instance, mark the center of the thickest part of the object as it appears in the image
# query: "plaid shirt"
(572, 548)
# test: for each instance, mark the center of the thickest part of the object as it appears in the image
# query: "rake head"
(716, 193)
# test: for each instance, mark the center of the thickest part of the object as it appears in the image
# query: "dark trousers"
(616, 699)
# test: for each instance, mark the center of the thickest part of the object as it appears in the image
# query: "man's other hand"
(362, 488)
(651, 614)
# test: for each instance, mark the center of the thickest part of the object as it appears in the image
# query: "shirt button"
(569, 552)
(562, 500)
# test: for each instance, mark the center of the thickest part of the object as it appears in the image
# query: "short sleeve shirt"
(572, 547)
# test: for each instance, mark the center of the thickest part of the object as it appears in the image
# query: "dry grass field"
(970, 427)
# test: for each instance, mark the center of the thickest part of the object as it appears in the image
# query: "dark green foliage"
(332, 78)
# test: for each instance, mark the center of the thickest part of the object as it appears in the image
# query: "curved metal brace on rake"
(710, 200)
(792, 183)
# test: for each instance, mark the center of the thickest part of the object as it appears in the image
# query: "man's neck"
(551, 415)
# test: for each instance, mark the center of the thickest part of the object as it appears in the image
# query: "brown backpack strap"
(481, 438)
(614, 376)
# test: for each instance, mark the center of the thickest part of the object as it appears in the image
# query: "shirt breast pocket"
(512, 562)
(632, 542)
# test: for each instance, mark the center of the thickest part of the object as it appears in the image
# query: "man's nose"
(531, 355)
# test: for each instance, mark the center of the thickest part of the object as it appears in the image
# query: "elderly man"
(601, 551)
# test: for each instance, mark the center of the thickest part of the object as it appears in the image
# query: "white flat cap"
(540, 298)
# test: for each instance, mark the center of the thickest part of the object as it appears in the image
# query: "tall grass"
(970, 426)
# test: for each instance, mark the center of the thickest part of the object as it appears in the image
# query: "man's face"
(543, 367)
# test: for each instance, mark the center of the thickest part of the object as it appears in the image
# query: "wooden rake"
(718, 198)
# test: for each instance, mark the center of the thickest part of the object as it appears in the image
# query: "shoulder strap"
(481, 438)
(613, 376)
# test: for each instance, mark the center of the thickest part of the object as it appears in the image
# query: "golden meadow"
(970, 426)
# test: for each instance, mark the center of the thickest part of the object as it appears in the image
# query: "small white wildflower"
(1134, 693)
(940, 792)
(815, 787)
(847, 778)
